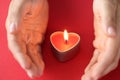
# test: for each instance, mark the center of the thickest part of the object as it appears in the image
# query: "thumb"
(15, 14)
(12, 28)
(108, 14)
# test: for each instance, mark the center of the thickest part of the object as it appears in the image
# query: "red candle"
(65, 45)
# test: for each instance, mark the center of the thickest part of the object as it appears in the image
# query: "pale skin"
(26, 24)
(107, 40)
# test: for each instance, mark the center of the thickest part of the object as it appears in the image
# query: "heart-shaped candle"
(65, 45)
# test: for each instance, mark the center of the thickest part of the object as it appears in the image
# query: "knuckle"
(33, 37)
(96, 44)
(96, 52)
(26, 66)
(95, 76)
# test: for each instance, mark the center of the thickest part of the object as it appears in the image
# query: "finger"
(18, 49)
(105, 59)
(34, 52)
(85, 77)
(12, 28)
(19, 53)
(108, 15)
(113, 65)
(93, 60)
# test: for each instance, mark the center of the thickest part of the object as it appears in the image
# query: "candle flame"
(65, 35)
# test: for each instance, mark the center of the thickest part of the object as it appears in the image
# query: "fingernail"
(111, 31)
(30, 75)
(12, 27)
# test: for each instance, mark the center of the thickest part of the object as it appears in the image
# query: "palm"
(28, 34)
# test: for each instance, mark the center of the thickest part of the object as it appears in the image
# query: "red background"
(75, 16)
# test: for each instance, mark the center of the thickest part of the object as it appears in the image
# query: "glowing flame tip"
(65, 35)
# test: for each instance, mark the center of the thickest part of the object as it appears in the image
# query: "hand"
(26, 24)
(107, 40)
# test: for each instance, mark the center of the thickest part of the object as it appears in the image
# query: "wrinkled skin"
(26, 25)
(107, 39)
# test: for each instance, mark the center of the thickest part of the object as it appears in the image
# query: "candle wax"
(61, 45)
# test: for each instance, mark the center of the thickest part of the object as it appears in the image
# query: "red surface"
(75, 16)
(59, 43)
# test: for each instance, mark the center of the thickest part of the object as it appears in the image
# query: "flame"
(65, 35)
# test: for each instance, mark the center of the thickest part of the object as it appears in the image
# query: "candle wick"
(66, 41)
